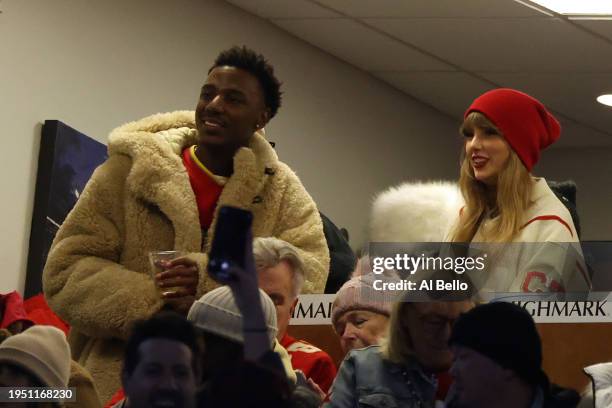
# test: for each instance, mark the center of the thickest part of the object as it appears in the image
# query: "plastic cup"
(157, 260)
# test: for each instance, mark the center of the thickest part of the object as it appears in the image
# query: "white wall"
(591, 170)
(95, 65)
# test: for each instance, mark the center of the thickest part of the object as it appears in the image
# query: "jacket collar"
(413, 366)
(540, 189)
(158, 176)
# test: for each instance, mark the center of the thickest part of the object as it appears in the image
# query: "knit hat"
(216, 312)
(42, 351)
(524, 121)
(358, 293)
(506, 333)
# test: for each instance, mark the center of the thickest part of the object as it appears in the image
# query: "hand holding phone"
(228, 250)
(231, 262)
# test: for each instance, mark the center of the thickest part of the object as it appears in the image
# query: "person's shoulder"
(367, 350)
(548, 212)
(156, 123)
(276, 172)
(111, 174)
(176, 129)
(282, 178)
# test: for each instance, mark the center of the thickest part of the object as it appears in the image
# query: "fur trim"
(156, 123)
(97, 272)
(415, 212)
(601, 377)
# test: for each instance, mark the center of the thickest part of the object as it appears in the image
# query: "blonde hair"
(397, 345)
(513, 192)
(269, 252)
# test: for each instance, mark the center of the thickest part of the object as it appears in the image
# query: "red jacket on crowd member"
(39, 312)
(12, 311)
(444, 382)
(311, 360)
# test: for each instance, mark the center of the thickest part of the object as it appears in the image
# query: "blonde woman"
(505, 130)
(402, 372)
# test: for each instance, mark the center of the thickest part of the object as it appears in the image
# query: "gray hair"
(270, 251)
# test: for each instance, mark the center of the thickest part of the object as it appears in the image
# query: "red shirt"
(119, 395)
(311, 360)
(444, 382)
(206, 189)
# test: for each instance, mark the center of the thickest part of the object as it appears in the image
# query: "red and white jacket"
(311, 360)
(546, 255)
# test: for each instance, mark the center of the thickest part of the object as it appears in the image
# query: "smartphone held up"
(229, 243)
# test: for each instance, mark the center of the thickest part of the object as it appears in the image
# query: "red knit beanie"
(526, 124)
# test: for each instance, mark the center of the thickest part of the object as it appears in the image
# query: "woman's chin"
(485, 178)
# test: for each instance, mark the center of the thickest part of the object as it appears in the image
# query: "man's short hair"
(257, 65)
(270, 251)
(164, 325)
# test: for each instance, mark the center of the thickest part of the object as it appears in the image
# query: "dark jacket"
(559, 397)
(342, 259)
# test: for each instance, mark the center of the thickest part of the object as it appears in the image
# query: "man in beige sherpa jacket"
(140, 200)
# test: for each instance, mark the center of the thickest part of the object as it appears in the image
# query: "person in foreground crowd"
(36, 357)
(222, 327)
(37, 346)
(412, 212)
(402, 371)
(160, 188)
(256, 370)
(498, 362)
(281, 275)
(161, 364)
(233, 376)
(505, 131)
(225, 358)
(359, 316)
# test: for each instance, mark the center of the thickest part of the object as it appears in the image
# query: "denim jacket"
(366, 379)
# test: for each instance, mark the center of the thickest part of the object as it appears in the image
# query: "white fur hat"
(415, 212)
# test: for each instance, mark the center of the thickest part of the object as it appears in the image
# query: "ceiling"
(445, 53)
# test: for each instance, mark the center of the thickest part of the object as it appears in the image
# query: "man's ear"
(264, 118)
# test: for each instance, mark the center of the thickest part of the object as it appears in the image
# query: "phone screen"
(229, 241)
